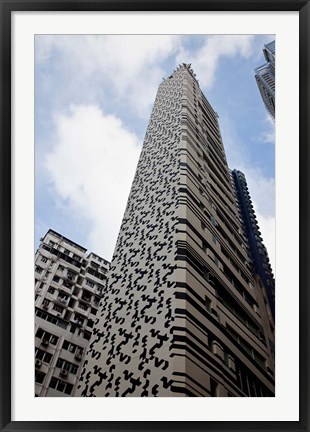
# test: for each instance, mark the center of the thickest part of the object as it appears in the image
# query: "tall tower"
(257, 248)
(68, 288)
(265, 78)
(182, 314)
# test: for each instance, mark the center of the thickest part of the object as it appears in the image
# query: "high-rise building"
(68, 288)
(265, 78)
(182, 314)
(257, 248)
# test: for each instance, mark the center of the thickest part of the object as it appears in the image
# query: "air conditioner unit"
(64, 372)
(45, 306)
(78, 356)
(45, 342)
(38, 363)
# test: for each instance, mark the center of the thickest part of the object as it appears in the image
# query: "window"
(56, 278)
(39, 269)
(61, 268)
(49, 337)
(71, 275)
(58, 309)
(61, 386)
(51, 243)
(51, 318)
(39, 376)
(51, 290)
(83, 306)
(100, 289)
(90, 323)
(247, 347)
(44, 259)
(90, 283)
(87, 335)
(62, 296)
(67, 284)
(79, 319)
(86, 296)
(66, 252)
(46, 275)
(93, 311)
(72, 328)
(43, 356)
(67, 366)
(96, 301)
(71, 347)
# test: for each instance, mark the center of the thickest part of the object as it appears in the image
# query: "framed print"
(189, 303)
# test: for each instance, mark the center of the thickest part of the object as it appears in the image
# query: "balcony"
(86, 298)
(62, 301)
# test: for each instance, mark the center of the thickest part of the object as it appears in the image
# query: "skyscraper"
(68, 287)
(265, 78)
(182, 313)
(257, 248)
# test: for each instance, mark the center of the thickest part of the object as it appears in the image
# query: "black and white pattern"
(130, 351)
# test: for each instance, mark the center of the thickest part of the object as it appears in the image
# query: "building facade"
(258, 251)
(182, 314)
(265, 78)
(68, 288)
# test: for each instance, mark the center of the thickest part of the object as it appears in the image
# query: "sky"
(93, 100)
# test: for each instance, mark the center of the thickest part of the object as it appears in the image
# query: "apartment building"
(183, 313)
(265, 78)
(258, 251)
(68, 287)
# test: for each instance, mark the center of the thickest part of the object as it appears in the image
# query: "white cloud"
(127, 69)
(205, 59)
(91, 168)
(131, 65)
(269, 136)
(128, 65)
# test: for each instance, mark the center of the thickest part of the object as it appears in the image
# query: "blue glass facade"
(258, 250)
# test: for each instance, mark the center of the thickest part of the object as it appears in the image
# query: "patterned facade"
(68, 289)
(265, 78)
(182, 313)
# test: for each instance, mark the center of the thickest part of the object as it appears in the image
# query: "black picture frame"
(6, 8)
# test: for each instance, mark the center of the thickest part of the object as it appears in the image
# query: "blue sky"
(93, 98)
